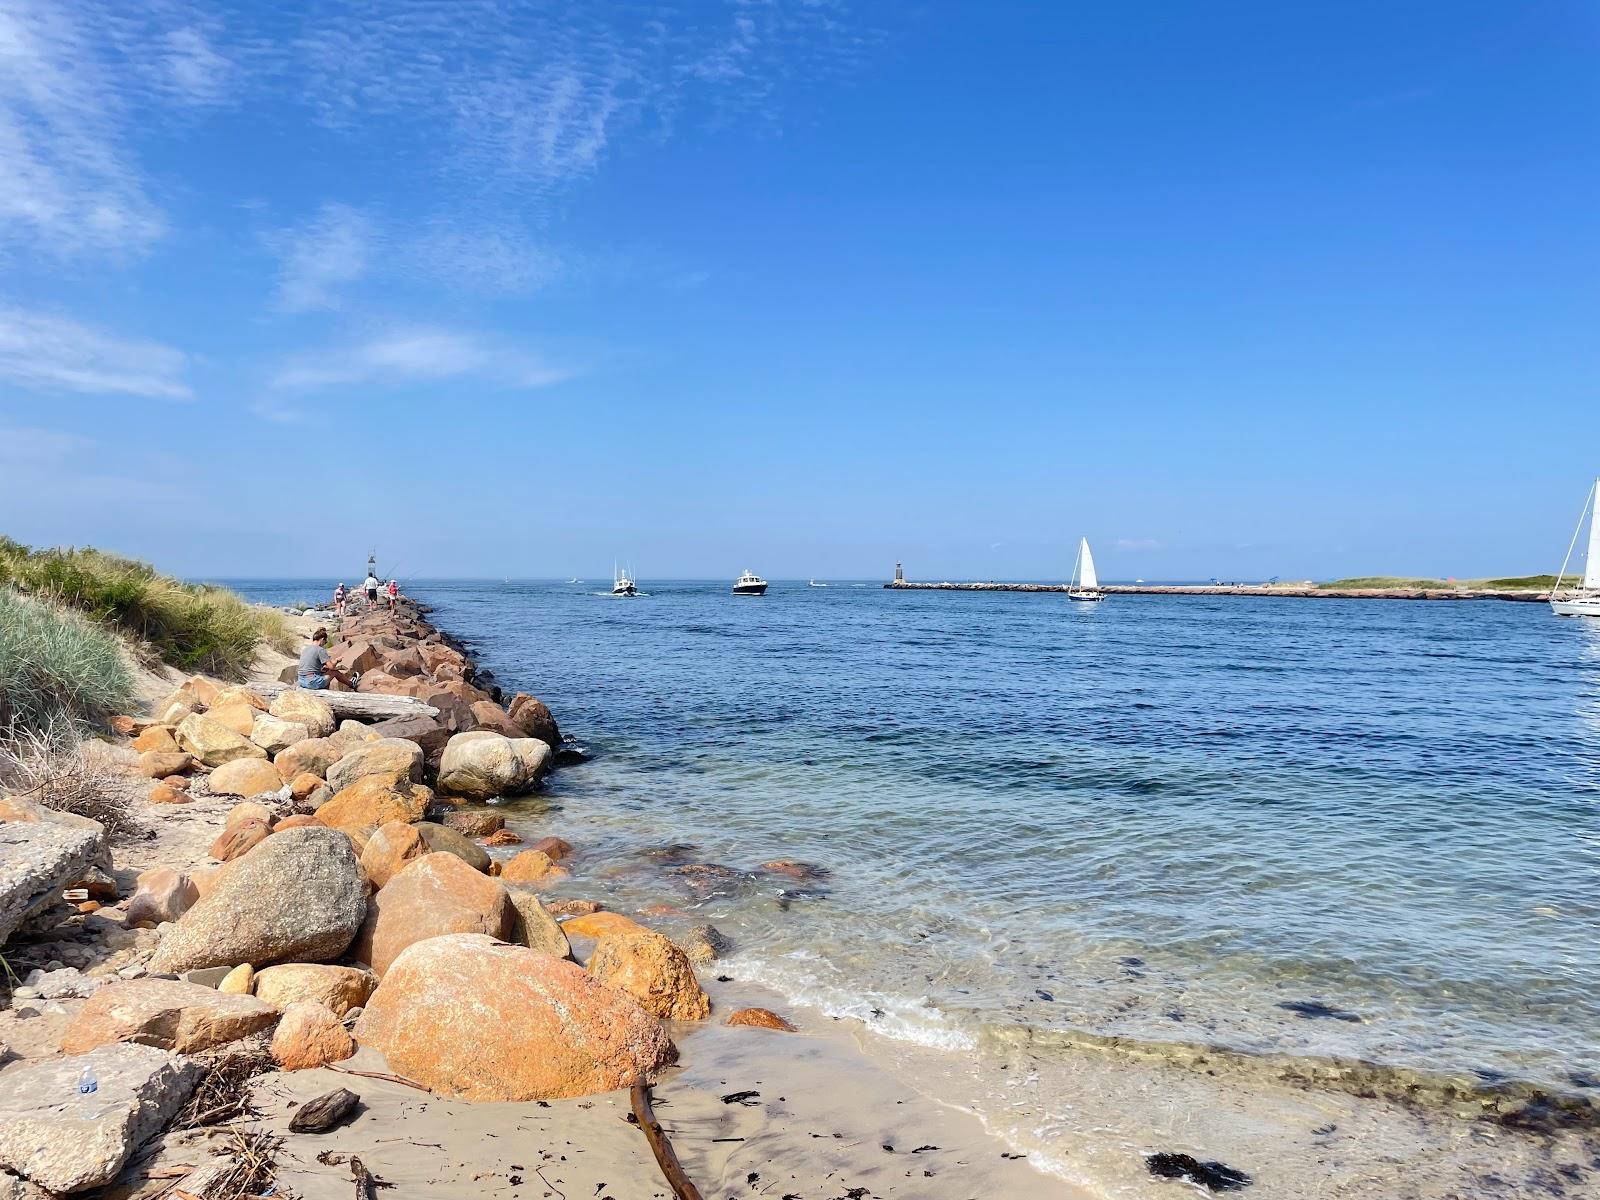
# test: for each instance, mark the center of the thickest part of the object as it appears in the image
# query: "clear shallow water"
(1157, 817)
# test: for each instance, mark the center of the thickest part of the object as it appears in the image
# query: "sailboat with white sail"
(1583, 601)
(1085, 582)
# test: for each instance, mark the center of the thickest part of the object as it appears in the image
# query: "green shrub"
(56, 664)
(196, 627)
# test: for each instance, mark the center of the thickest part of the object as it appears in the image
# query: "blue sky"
(514, 289)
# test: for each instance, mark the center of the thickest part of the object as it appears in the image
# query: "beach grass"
(1504, 583)
(195, 627)
(56, 664)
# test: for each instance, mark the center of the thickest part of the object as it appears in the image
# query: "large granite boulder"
(245, 777)
(393, 760)
(310, 1036)
(459, 1014)
(314, 755)
(535, 927)
(39, 855)
(69, 1141)
(306, 708)
(535, 719)
(481, 765)
(212, 742)
(337, 988)
(424, 731)
(442, 839)
(433, 895)
(166, 1013)
(373, 801)
(656, 973)
(273, 734)
(297, 897)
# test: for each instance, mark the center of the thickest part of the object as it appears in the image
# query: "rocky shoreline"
(325, 883)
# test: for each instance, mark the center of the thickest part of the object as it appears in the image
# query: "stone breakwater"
(349, 900)
(1227, 589)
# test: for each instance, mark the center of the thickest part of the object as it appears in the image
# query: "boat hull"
(1576, 608)
(750, 589)
(1086, 597)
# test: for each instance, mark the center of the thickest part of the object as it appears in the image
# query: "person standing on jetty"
(339, 593)
(392, 593)
(315, 667)
(371, 587)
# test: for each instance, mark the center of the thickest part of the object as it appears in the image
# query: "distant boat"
(750, 584)
(574, 581)
(622, 582)
(814, 583)
(1085, 583)
(1583, 601)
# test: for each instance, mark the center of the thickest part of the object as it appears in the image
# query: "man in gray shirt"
(315, 667)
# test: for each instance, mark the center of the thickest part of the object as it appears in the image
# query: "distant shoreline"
(1297, 592)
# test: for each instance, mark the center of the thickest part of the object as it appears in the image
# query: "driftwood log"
(360, 706)
(323, 1113)
(644, 1112)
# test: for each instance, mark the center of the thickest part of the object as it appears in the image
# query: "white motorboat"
(1584, 600)
(1085, 583)
(622, 582)
(750, 584)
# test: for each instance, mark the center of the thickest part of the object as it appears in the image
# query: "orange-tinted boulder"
(337, 988)
(245, 777)
(459, 1014)
(158, 738)
(599, 924)
(530, 866)
(760, 1018)
(153, 764)
(165, 793)
(433, 895)
(239, 839)
(296, 821)
(303, 784)
(502, 837)
(653, 971)
(391, 846)
(372, 801)
(309, 1036)
(474, 822)
(556, 848)
(572, 906)
(161, 894)
(166, 1013)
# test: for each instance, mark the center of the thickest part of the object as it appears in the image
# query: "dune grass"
(1504, 583)
(196, 627)
(56, 664)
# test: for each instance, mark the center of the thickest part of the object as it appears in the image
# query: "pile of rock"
(351, 904)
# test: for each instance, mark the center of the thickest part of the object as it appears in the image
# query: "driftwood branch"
(376, 1075)
(360, 706)
(645, 1114)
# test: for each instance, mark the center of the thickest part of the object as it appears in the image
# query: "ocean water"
(1351, 829)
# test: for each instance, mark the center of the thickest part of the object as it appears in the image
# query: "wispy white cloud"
(420, 355)
(66, 180)
(44, 352)
(1136, 544)
(334, 249)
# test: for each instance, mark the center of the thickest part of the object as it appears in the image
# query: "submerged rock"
(759, 1018)
(459, 1013)
(1215, 1176)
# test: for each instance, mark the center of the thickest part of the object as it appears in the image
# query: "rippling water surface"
(1159, 817)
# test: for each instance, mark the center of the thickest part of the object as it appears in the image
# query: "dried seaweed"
(224, 1090)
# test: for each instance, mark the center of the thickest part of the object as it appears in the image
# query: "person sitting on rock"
(315, 667)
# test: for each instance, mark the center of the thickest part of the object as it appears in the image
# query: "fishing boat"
(750, 584)
(814, 583)
(1085, 583)
(622, 582)
(1584, 600)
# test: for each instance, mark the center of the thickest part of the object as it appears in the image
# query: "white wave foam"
(800, 977)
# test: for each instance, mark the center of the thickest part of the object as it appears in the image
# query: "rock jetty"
(349, 905)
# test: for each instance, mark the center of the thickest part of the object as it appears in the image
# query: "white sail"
(1087, 579)
(1591, 566)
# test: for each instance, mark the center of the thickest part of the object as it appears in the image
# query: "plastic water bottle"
(87, 1082)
